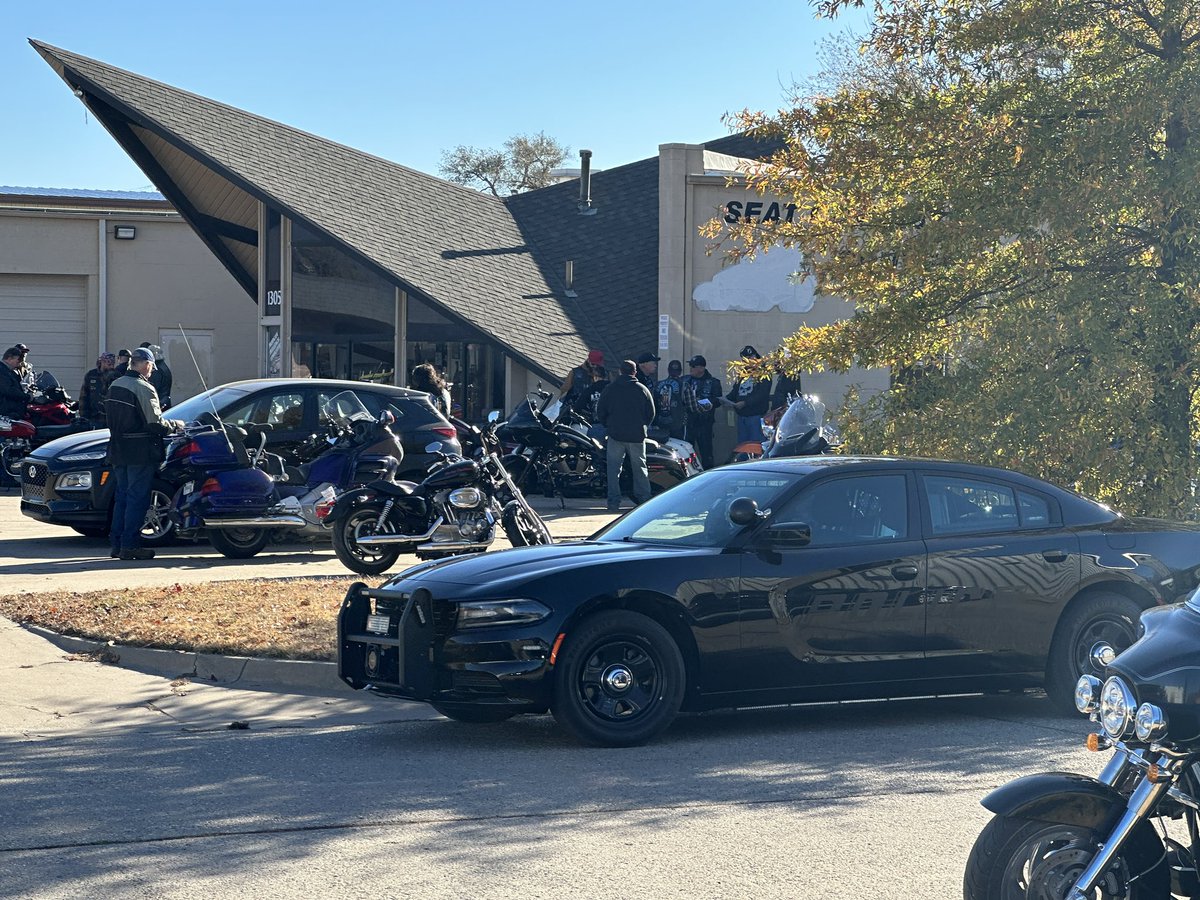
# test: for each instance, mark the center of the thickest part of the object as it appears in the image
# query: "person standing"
(25, 369)
(135, 449)
(122, 365)
(669, 393)
(579, 379)
(95, 386)
(425, 378)
(591, 398)
(161, 377)
(647, 368)
(750, 398)
(701, 395)
(785, 386)
(626, 409)
(14, 399)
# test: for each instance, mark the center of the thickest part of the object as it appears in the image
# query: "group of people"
(110, 367)
(685, 406)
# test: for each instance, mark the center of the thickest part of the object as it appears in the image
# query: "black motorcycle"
(454, 510)
(1070, 837)
(556, 456)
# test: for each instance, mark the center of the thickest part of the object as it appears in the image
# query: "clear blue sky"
(407, 80)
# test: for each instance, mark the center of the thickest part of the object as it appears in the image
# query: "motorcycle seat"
(394, 488)
(295, 474)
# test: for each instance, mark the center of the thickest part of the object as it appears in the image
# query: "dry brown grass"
(287, 618)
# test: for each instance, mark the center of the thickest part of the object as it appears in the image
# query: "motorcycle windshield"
(804, 414)
(345, 409)
(46, 382)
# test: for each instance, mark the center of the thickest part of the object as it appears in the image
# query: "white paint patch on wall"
(758, 285)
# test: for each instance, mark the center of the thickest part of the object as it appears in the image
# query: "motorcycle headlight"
(1087, 694)
(1150, 723)
(1116, 707)
(478, 613)
(75, 481)
(466, 497)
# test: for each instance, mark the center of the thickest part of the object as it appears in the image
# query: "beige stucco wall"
(716, 310)
(163, 278)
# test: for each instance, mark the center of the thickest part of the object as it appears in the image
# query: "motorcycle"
(802, 430)
(453, 510)
(49, 415)
(555, 453)
(1071, 837)
(244, 498)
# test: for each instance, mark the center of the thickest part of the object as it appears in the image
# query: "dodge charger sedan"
(790, 580)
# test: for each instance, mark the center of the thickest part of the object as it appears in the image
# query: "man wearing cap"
(25, 370)
(95, 386)
(750, 398)
(579, 379)
(626, 409)
(122, 365)
(14, 399)
(135, 449)
(647, 369)
(701, 396)
(161, 377)
(669, 394)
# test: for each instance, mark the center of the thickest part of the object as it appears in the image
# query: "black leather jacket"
(14, 401)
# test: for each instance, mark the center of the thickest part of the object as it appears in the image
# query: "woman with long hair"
(425, 378)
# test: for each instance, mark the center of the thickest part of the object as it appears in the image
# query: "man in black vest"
(701, 395)
(626, 409)
(135, 449)
(14, 399)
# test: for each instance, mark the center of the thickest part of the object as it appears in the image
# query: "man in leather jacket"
(135, 449)
(14, 399)
(95, 384)
(626, 409)
(701, 396)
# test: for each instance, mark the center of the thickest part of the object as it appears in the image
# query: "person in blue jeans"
(626, 410)
(135, 450)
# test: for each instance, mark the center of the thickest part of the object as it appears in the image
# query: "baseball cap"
(674, 366)
(141, 354)
(748, 352)
(648, 357)
(20, 348)
(697, 360)
(595, 357)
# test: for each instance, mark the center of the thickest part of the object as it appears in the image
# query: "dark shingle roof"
(459, 248)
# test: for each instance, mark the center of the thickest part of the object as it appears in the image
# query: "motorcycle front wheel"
(360, 523)
(1020, 859)
(521, 528)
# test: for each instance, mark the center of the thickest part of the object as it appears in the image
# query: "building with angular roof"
(361, 267)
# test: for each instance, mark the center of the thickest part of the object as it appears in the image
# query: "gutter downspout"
(102, 278)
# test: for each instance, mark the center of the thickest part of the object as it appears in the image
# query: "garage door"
(47, 313)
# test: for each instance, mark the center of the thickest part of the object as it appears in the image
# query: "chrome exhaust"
(281, 522)
(449, 547)
(380, 539)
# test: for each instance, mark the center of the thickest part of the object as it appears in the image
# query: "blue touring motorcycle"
(245, 497)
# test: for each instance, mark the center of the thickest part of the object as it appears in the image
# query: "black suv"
(66, 481)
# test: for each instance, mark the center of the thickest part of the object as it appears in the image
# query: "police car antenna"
(203, 383)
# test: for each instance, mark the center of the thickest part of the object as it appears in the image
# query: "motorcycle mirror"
(494, 416)
(435, 447)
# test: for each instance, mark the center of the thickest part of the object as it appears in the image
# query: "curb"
(249, 672)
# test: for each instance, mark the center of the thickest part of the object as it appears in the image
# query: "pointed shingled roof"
(458, 248)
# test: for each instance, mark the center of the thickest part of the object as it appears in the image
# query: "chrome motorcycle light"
(1149, 723)
(1116, 707)
(466, 497)
(1087, 694)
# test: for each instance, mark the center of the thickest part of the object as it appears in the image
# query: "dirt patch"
(283, 618)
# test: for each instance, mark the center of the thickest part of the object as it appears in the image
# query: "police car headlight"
(1150, 723)
(75, 481)
(478, 613)
(1117, 706)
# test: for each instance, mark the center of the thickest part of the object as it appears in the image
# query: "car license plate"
(377, 624)
(187, 487)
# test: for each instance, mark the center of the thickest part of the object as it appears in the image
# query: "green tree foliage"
(1009, 191)
(524, 163)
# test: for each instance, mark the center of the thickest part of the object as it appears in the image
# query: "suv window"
(284, 412)
(959, 505)
(852, 510)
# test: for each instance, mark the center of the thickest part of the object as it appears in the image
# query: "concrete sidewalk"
(35, 557)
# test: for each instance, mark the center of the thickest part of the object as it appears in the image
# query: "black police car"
(66, 481)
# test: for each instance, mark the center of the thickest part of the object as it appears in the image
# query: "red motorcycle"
(51, 414)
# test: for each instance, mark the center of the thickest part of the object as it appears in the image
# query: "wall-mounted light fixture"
(125, 232)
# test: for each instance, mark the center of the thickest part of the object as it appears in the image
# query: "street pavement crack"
(448, 820)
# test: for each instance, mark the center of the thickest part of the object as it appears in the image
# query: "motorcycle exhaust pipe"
(447, 547)
(283, 522)
(380, 539)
